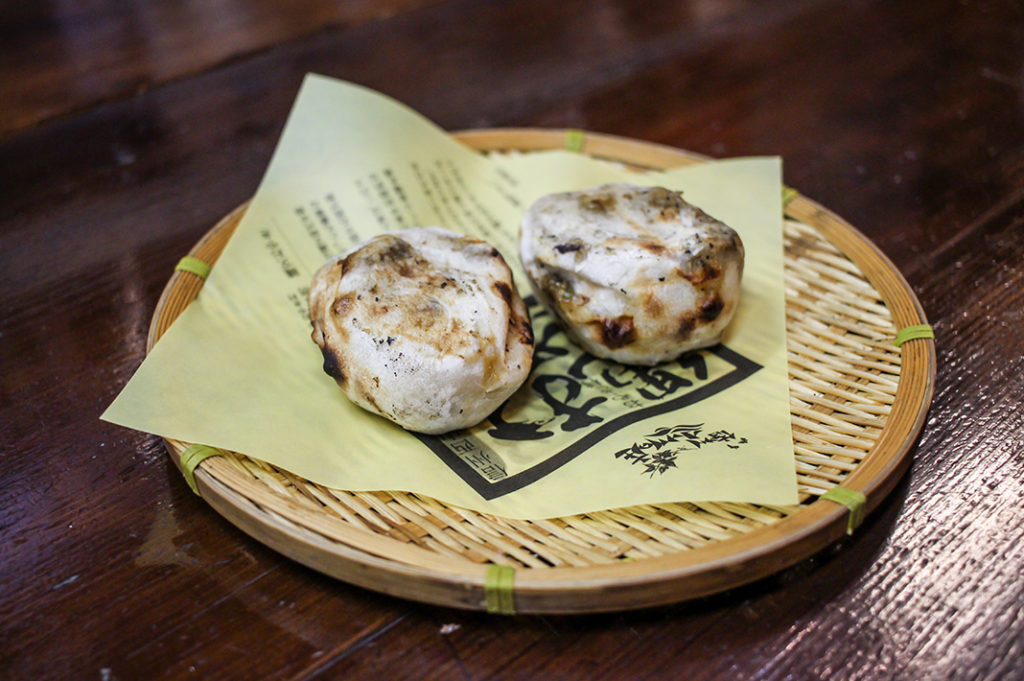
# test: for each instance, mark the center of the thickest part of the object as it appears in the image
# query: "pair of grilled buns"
(426, 328)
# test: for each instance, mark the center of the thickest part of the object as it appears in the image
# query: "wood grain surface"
(128, 129)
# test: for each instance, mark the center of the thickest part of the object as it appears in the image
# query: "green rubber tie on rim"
(194, 266)
(190, 460)
(574, 140)
(788, 194)
(498, 589)
(852, 500)
(909, 333)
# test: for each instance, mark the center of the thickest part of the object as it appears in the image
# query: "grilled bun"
(423, 327)
(634, 274)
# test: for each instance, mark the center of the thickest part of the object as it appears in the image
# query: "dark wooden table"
(127, 129)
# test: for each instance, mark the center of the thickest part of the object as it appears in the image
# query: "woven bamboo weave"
(856, 409)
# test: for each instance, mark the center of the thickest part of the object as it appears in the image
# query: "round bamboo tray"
(857, 401)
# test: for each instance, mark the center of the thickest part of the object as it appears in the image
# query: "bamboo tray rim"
(653, 580)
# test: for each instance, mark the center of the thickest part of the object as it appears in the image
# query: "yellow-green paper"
(238, 369)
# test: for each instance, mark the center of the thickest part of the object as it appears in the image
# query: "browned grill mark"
(427, 316)
(604, 203)
(411, 269)
(668, 203)
(704, 272)
(711, 308)
(399, 249)
(343, 304)
(368, 396)
(653, 306)
(525, 330)
(332, 365)
(392, 252)
(617, 333)
(686, 326)
(652, 247)
(505, 291)
(567, 248)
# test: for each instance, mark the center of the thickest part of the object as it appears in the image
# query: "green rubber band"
(851, 499)
(190, 460)
(574, 140)
(788, 194)
(194, 266)
(498, 589)
(909, 333)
